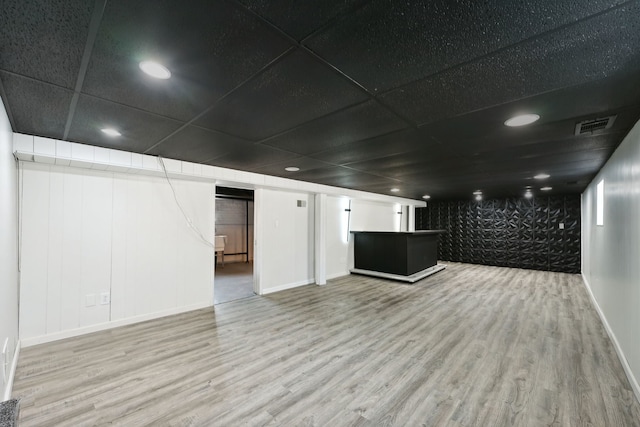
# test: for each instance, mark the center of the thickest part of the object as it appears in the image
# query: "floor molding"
(28, 342)
(409, 279)
(616, 345)
(12, 373)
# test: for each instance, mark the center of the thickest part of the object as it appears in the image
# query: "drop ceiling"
(369, 95)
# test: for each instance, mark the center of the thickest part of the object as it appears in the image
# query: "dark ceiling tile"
(389, 43)
(296, 89)
(352, 124)
(250, 157)
(372, 148)
(210, 48)
(300, 18)
(140, 130)
(339, 176)
(564, 58)
(44, 39)
(37, 108)
(305, 164)
(197, 145)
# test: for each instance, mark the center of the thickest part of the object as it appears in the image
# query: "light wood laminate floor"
(471, 345)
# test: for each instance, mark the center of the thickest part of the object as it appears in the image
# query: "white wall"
(285, 234)
(611, 253)
(8, 252)
(337, 236)
(87, 232)
(376, 216)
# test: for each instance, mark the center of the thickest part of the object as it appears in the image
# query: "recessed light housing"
(522, 120)
(394, 190)
(111, 132)
(542, 176)
(155, 70)
(426, 197)
(292, 169)
(546, 188)
(477, 192)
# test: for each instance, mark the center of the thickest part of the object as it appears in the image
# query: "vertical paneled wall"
(541, 233)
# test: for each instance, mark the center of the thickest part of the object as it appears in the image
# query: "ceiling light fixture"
(522, 120)
(394, 190)
(546, 188)
(111, 132)
(292, 169)
(477, 192)
(426, 197)
(542, 176)
(155, 70)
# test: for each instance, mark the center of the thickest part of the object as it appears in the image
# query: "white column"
(320, 239)
(411, 218)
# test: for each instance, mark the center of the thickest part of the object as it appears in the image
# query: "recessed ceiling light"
(155, 70)
(426, 197)
(292, 169)
(477, 192)
(522, 120)
(546, 188)
(111, 132)
(542, 176)
(478, 197)
(394, 190)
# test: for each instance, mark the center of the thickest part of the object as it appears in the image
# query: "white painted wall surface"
(337, 236)
(8, 251)
(87, 232)
(376, 216)
(285, 233)
(611, 252)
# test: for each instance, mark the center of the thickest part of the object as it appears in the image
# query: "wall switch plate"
(90, 300)
(561, 226)
(105, 298)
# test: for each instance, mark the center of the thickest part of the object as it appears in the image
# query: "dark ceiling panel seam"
(511, 46)
(308, 122)
(327, 64)
(94, 26)
(524, 98)
(7, 108)
(335, 20)
(237, 87)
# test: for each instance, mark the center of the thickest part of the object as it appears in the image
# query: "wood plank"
(473, 345)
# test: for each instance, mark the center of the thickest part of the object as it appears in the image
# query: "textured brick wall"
(511, 232)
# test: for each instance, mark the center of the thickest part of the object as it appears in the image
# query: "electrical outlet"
(105, 298)
(90, 300)
(561, 226)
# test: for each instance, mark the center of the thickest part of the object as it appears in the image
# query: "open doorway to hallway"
(234, 244)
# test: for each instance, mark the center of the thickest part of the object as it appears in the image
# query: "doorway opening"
(233, 278)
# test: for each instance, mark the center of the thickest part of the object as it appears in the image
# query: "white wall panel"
(610, 252)
(8, 246)
(286, 240)
(89, 232)
(374, 216)
(337, 236)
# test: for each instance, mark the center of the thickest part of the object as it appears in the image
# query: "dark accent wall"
(511, 232)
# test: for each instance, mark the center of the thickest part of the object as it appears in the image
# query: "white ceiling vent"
(595, 125)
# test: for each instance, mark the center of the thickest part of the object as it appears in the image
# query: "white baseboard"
(287, 286)
(12, 373)
(625, 365)
(28, 342)
(336, 275)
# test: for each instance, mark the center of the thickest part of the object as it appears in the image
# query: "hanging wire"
(190, 223)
